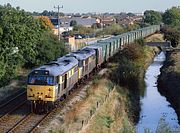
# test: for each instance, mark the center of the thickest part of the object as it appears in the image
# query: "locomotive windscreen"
(40, 80)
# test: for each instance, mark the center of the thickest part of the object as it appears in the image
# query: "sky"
(100, 6)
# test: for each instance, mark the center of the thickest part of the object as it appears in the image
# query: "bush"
(126, 75)
(130, 61)
(133, 52)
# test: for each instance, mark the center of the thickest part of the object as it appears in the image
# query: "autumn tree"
(46, 23)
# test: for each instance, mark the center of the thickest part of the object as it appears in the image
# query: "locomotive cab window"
(41, 80)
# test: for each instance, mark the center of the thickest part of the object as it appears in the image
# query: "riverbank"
(168, 82)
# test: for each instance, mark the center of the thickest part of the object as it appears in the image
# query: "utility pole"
(58, 7)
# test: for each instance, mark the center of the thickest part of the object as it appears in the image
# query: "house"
(128, 20)
(107, 20)
(65, 21)
(61, 29)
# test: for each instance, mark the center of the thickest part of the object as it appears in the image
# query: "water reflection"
(154, 107)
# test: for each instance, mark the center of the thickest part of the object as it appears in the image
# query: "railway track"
(20, 119)
(30, 122)
(11, 118)
(12, 103)
(27, 124)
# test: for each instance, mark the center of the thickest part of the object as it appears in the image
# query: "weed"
(52, 131)
(127, 127)
(88, 91)
(95, 79)
(107, 120)
(110, 86)
(163, 127)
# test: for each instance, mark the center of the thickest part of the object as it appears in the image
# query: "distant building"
(128, 20)
(70, 43)
(107, 20)
(65, 21)
(61, 29)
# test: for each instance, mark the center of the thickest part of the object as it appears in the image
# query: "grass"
(176, 58)
(16, 85)
(106, 117)
(107, 120)
(155, 38)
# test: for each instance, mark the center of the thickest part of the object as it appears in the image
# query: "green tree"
(49, 48)
(131, 14)
(172, 17)
(152, 17)
(172, 35)
(24, 41)
(73, 23)
(112, 29)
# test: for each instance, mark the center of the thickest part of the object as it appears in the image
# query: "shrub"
(126, 75)
(133, 52)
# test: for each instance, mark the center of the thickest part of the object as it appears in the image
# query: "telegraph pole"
(58, 7)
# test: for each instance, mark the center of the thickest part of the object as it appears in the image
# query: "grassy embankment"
(168, 81)
(15, 86)
(109, 105)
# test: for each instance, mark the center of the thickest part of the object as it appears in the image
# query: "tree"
(73, 23)
(24, 41)
(152, 17)
(49, 48)
(172, 35)
(131, 14)
(48, 13)
(96, 26)
(113, 29)
(46, 23)
(172, 17)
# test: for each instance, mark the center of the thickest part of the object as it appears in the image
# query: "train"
(51, 83)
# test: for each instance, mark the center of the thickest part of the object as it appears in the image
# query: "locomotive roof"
(93, 46)
(58, 67)
(107, 40)
(82, 54)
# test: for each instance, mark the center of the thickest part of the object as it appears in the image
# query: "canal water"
(156, 111)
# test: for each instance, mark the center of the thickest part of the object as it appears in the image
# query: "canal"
(156, 111)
